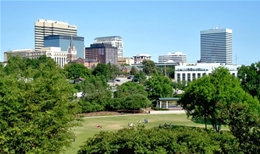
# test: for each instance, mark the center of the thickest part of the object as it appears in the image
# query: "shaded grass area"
(113, 123)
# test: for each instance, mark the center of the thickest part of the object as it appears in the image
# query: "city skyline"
(153, 28)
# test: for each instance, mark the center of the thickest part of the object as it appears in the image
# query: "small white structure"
(190, 72)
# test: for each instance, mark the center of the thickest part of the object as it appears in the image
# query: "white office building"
(216, 46)
(173, 57)
(50, 27)
(60, 57)
(139, 58)
(116, 41)
(189, 72)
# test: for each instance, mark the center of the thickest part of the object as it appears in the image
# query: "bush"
(162, 109)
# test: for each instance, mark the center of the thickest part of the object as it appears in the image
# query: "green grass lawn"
(113, 123)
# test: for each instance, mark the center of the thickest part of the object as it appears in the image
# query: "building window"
(193, 76)
(183, 76)
(233, 74)
(198, 75)
(204, 74)
(178, 77)
(188, 77)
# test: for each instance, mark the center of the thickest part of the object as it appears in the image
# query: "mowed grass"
(112, 123)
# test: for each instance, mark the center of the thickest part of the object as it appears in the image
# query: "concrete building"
(139, 58)
(116, 41)
(60, 57)
(191, 72)
(50, 27)
(216, 46)
(64, 42)
(102, 52)
(173, 57)
(125, 60)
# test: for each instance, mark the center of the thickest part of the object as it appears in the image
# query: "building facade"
(191, 72)
(139, 58)
(60, 57)
(115, 41)
(216, 46)
(50, 27)
(103, 52)
(173, 57)
(89, 63)
(65, 41)
(125, 61)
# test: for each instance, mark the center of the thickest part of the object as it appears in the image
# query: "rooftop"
(108, 37)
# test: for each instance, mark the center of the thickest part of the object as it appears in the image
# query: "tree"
(76, 70)
(140, 77)
(134, 70)
(101, 70)
(245, 126)
(113, 71)
(159, 86)
(130, 95)
(128, 89)
(149, 67)
(179, 85)
(135, 102)
(250, 78)
(209, 96)
(96, 94)
(37, 109)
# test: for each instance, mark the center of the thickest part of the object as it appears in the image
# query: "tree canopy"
(159, 86)
(250, 78)
(37, 108)
(149, 67)
(209, 96)
(76, 70)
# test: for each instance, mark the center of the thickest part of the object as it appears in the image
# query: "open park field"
(112, 123)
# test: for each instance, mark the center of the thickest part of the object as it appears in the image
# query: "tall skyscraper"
(50, 27)
(115, 41)
(216, 46)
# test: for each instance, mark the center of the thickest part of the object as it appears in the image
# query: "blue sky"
(147, 27)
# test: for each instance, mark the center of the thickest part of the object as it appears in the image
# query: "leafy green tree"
(209, 96)
(159, 86)
(96, 94)
(140, 77)
(37, 109)
(245, 126)
(128, 89)
(135, 102)
(134, 70)
(160, 140)
(76, 70)
(113, 71)
(179, 85)
(149, 67)
(250, 78)
(101, 70)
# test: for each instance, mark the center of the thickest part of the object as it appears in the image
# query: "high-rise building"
(115, 41)
(216, 46)
(173, 57)
(103, 52)
(50, 27)
(64, 42)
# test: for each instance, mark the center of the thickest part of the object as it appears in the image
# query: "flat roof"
(169, 99)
